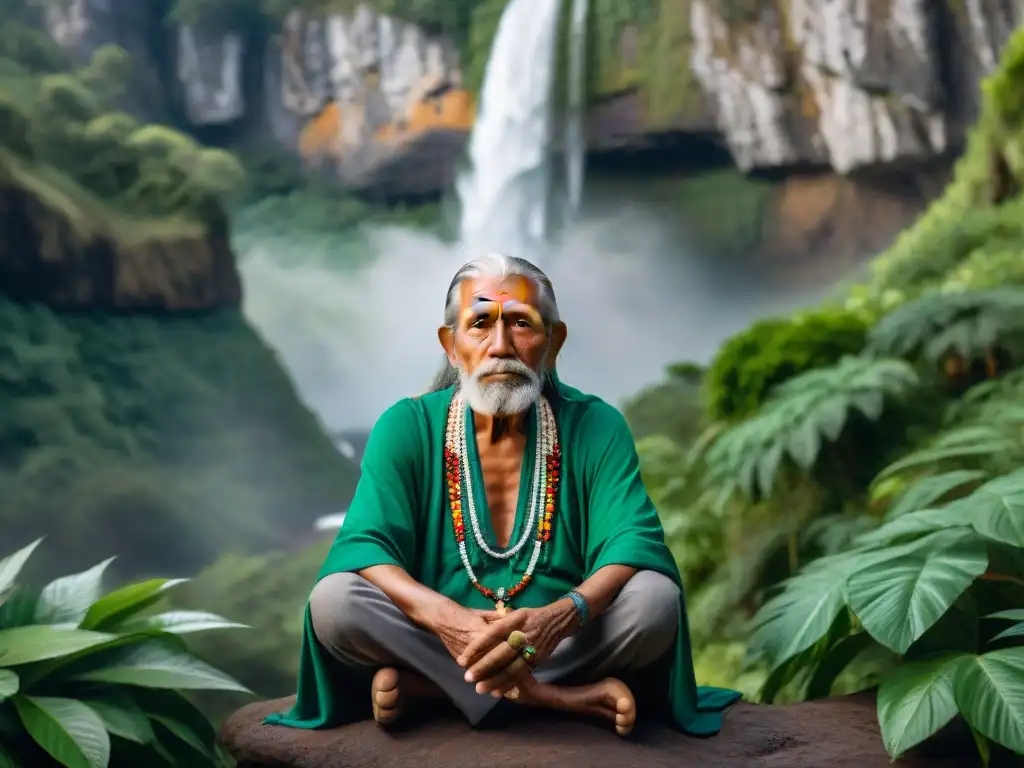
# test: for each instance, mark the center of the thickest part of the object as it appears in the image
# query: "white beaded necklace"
(457, 448)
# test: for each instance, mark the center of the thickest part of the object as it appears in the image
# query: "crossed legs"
(358, 625)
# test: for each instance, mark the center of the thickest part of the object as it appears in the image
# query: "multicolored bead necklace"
(546, 475)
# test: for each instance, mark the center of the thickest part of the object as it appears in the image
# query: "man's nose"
(501, 341)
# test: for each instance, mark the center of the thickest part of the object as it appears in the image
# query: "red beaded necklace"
(457, 476)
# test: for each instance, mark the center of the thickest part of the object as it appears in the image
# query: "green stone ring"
(528, 654)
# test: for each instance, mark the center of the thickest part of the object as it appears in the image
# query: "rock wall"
(72, 259)
(841, 85)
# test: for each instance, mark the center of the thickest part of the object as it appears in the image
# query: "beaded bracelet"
(582, 609)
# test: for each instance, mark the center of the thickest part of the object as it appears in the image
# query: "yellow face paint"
(494, 310)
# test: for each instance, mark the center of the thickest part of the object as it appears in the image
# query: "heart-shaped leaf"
(915, 700)
(989, 690)
(899, 599)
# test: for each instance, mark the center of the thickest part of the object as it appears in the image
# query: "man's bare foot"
(386, 696)
(609, 699)
(392, 689)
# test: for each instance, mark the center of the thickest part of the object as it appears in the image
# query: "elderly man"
(501, 544)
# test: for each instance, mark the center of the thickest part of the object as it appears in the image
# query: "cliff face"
(59, 250)
(832, 84)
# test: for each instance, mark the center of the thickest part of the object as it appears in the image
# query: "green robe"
(400, 516)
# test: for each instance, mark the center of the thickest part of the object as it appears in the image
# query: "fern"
(968, 324)
(800, 416)
(983, 433)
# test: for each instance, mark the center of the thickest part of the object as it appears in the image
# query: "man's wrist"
(566, 616)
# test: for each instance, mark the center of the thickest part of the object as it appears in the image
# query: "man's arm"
(424, 607)
(599, 591)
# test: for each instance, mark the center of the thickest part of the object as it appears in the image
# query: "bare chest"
(500, 467)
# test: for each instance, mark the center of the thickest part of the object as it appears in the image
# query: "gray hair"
(501, 266)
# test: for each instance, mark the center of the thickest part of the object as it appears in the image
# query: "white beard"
(500, 398)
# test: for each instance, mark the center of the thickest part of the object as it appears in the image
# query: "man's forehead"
(514, 288)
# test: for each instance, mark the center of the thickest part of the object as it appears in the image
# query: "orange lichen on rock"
(322, 134)
(452, 110)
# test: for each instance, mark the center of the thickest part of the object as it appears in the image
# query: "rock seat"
(840, 732)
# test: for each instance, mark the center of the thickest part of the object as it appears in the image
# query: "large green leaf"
(180, 623)
(996, 509)
(915, 700)
(899, 599)
(158, 665)
(122, 603)
(928, 490)
(9, 684)
(802, 613)
(66, 729)
(25, 645)
(67, 599)
(122, 717)
(914, 523)
(989, 690)
(10, 568)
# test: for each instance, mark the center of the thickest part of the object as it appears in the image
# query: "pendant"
(501, 608)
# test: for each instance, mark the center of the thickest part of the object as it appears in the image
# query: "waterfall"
(635, 292)
(505, 193)
(576, 113)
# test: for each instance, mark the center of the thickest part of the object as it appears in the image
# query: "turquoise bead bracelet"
(581, 605)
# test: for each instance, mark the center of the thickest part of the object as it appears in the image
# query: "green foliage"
(878, 539)
(751, 363)
(89, 679)
(968, 324)
(270, 591)
(930, 590)
(64, 118)
(168, 439)
(800, 419)
(925, 585)
(725, 210)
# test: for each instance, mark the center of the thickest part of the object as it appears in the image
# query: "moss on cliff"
(972, 236)
(645, 45)
(164, 440)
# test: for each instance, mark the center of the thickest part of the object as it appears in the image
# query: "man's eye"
(523, 324)
(479, 322)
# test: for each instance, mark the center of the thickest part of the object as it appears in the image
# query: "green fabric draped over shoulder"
(400, 516)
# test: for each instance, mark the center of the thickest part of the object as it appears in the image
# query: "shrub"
(15, 129)
(89, 678)
(748, 365)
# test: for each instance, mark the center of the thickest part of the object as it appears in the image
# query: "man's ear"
(447, 338)
(558, 335)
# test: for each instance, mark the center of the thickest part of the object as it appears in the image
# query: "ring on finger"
(529, 656)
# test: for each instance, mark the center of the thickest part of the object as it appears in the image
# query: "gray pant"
(359, 625)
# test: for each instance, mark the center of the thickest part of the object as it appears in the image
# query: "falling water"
(576, 112)
(505, 192)
(635, 293)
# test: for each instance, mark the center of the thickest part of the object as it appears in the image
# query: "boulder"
(832, 733)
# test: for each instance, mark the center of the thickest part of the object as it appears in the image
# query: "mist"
(633, 292)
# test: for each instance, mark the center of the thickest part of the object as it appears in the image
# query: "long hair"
(501, 266)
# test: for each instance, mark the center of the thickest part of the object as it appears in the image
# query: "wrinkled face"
(500, 345)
